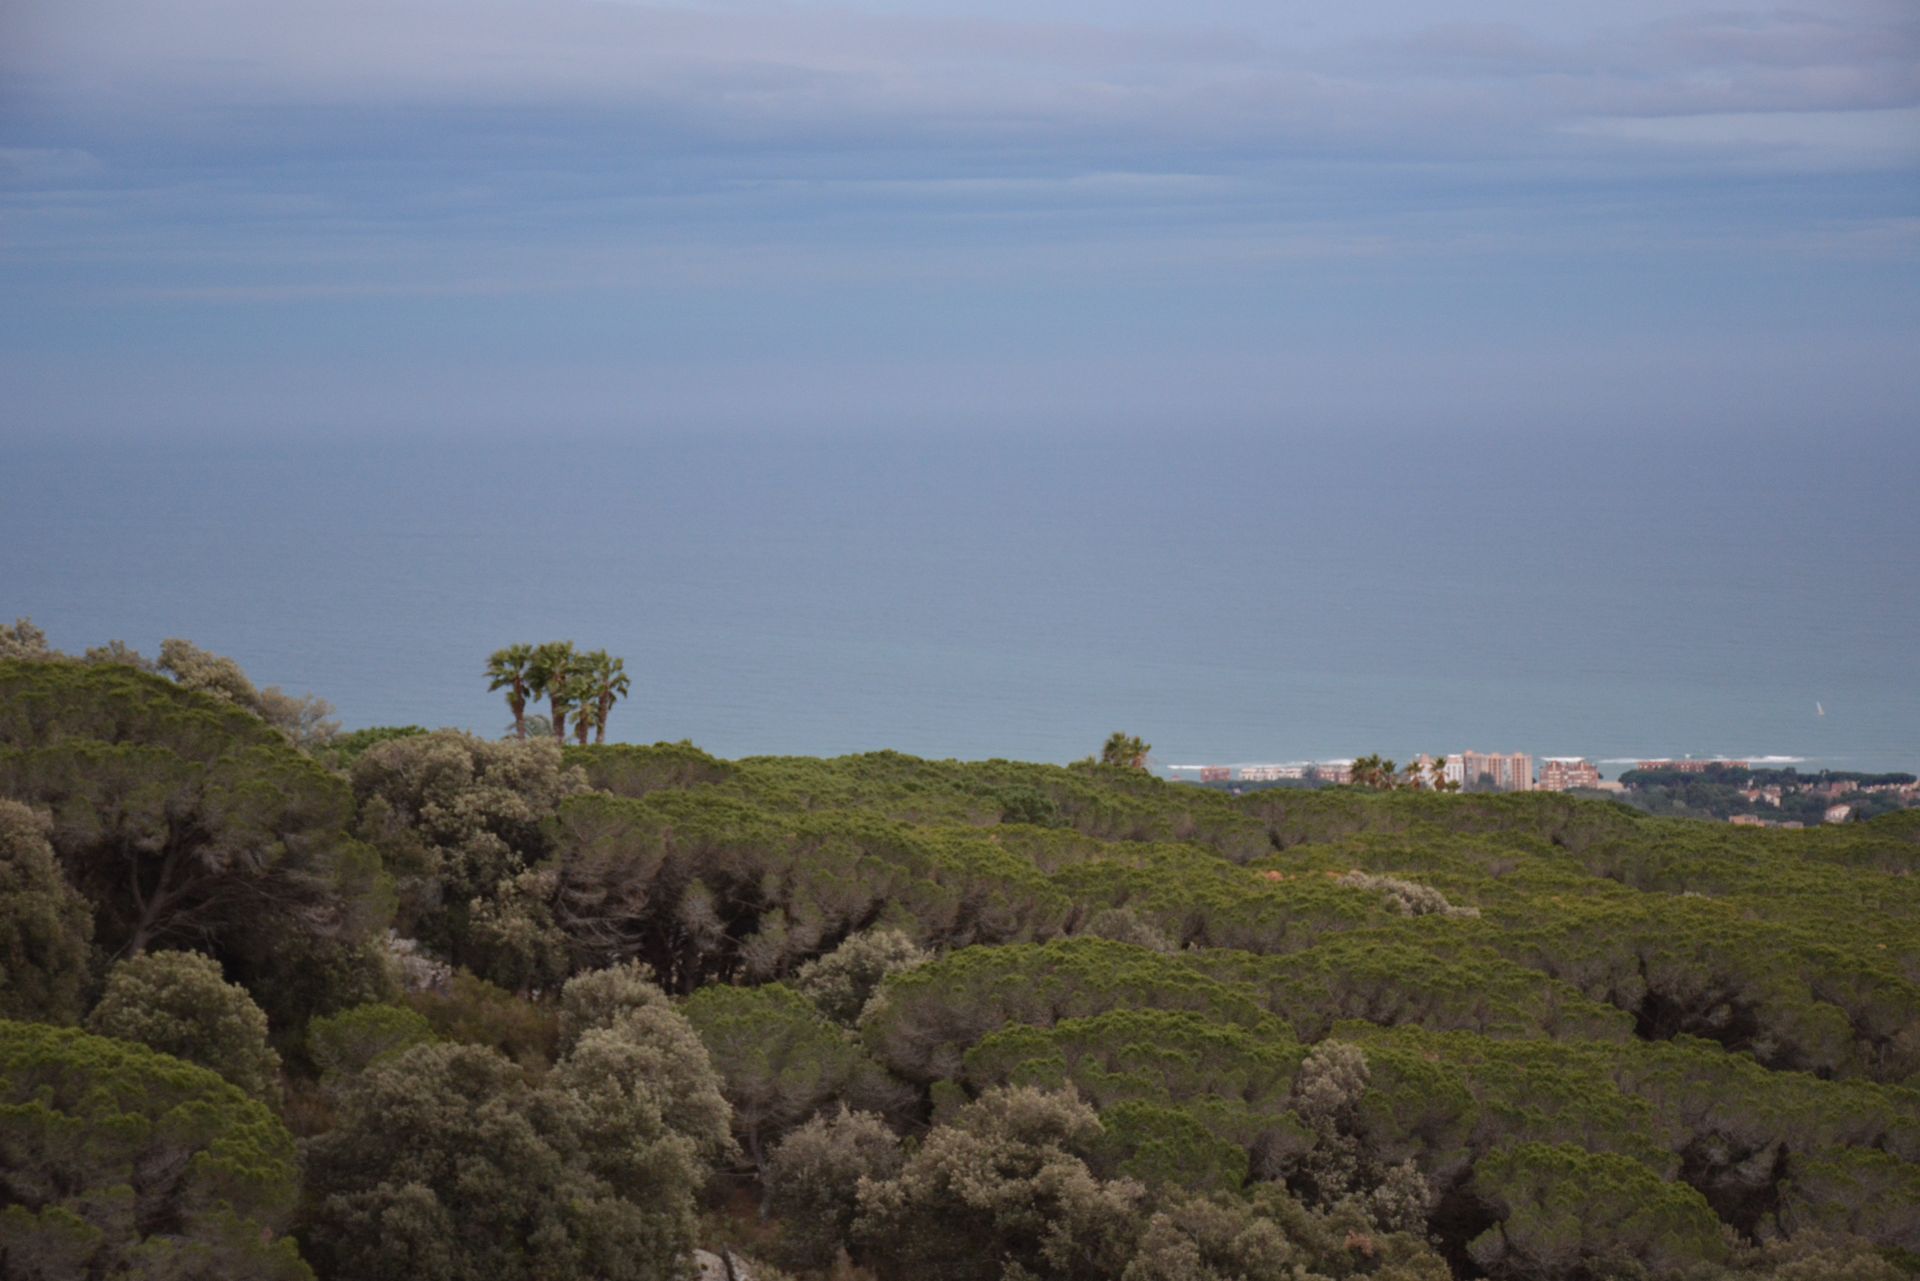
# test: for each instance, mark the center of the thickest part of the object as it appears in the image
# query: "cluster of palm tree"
(1376, 771)
(1382, 774)
(580, 686)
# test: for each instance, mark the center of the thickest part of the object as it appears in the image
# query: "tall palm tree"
(586, 712)
(607, 684)
(511, 669)
(551, 677)
(1128, 751)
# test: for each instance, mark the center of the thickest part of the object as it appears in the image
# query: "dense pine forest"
(277, 1002)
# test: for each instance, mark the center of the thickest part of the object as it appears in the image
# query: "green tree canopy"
(781, 1061)
(1005, 1186)
(178, 1004)
(445, 1165)
(1564, 1212)
(813, 1181)
(455, 819)
(187, 823)
(118, 1161)
(44, 926)
(842, 981)
(349, 1042)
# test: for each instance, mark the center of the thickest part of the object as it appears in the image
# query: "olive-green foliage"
(456, 819)
(618, 1023)
(781, 1061)
(1183, 1099)
(1861, 1191)
(630, 770)
(1815, 1256)
(843, 981)
(475, 1012)
(1122, 925)
(446, 1165)
(187, 822)
(1006, 1185)
(1029, 805)
(922, 1021)
(1267, 1236)
(813, 1181)
(1792, 946)
(1265, 997)
(1683, 1109)
(1569, 1213)
(1169, 1147)
(178, 1003)
(1197, 899)
(346, 1043)
(1568, 1013)
(600, 998)
(44, 926)
(117, 1161)
(1345, 1169)
(1110, 804)
(342, 750)
(707, 889)
(650, 1056)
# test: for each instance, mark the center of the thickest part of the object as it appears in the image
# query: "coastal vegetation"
(285, 1004)
(1776, 795)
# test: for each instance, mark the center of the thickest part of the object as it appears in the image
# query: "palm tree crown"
(551, 677)
(607, 683)
(511, 669)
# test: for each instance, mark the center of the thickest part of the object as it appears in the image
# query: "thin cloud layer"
(841, 74)
(204, 201)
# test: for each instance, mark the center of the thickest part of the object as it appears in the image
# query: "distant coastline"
(1756, 792)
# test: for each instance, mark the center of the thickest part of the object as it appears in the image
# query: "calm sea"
(1229, 598)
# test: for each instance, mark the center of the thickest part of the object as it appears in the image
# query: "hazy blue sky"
(318, 216)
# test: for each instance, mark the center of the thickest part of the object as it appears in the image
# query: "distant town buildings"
(1564, 773)
(1691, 765)
(1508, 771)
(1271, 773)
(1781, 797)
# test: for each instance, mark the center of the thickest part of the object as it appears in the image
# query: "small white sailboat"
(1819, 710)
